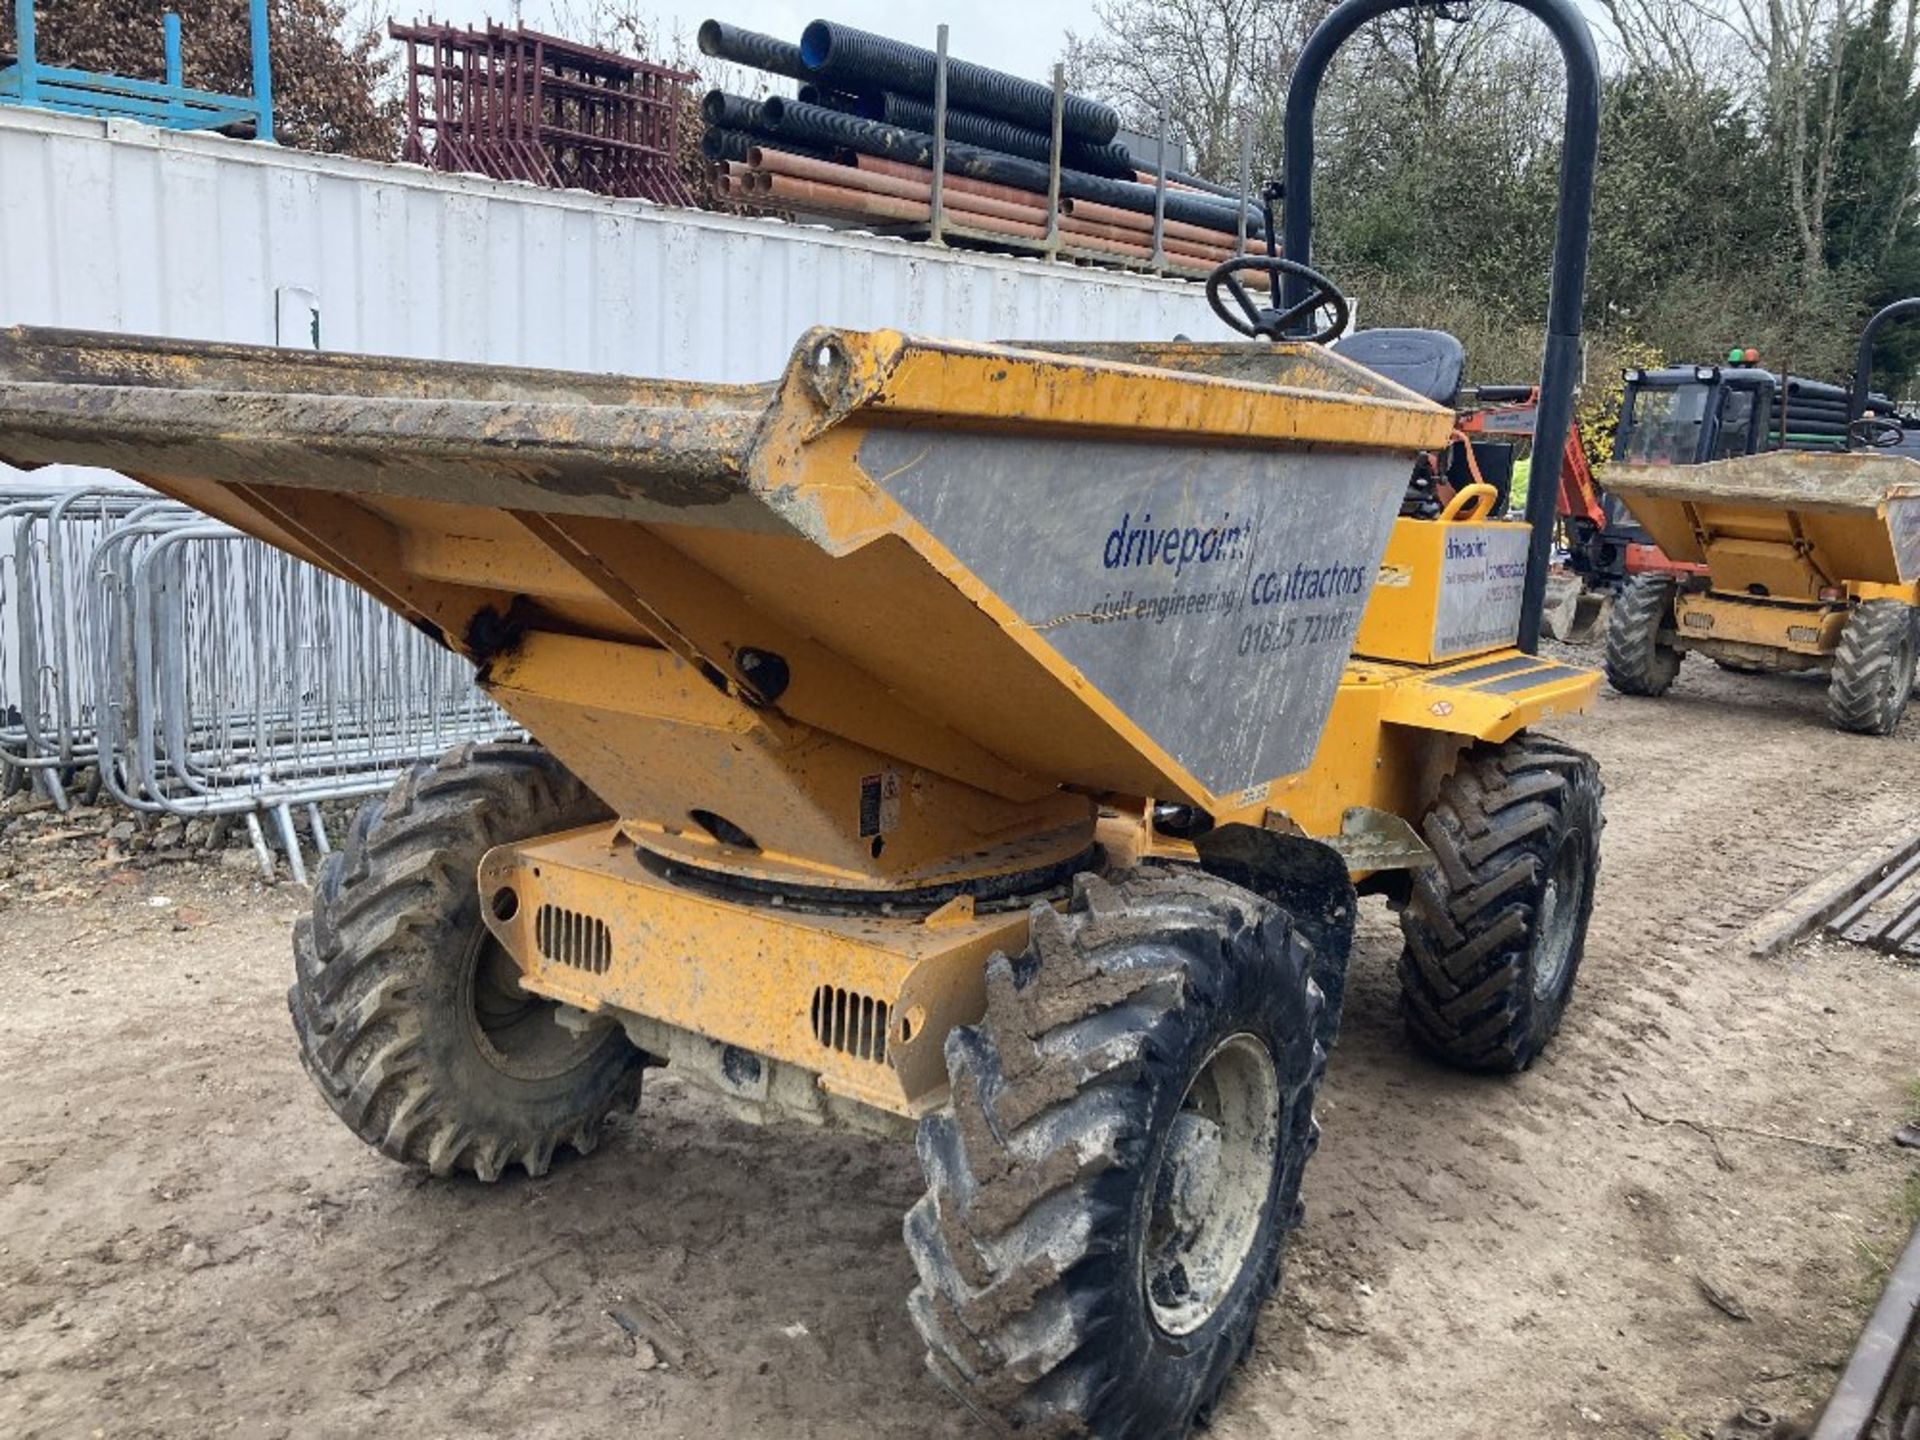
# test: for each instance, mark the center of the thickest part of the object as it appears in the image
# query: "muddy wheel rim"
(513, 1029)
(1558, 918)
(1211, 1189)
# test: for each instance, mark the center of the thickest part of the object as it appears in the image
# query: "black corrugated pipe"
(812, 94)
(856, 60)
(732, 112)
(1573, 230)
(817, 126)
(721, 144)
(1815, 391)
(750, 47)
(990, 132)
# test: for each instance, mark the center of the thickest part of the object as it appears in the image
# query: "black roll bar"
(1579, 148)
(1863, 361)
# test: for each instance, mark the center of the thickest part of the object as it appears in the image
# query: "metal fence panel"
(186, 669)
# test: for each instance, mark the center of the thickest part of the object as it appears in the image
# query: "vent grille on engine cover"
(852, 1023)
(568, 937)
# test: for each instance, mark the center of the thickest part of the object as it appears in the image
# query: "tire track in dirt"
(1521, 1256)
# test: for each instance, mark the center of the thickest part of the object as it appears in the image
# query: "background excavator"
(1602, 545)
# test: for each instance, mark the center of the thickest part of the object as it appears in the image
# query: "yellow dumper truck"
(1811, 561)
(951, 740)
(944, 736)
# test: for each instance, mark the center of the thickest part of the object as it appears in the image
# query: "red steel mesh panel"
(515, 104)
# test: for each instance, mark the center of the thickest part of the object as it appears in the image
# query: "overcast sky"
(1023, 37)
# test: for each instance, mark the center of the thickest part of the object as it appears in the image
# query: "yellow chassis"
(1790, 540)
(1780, 634)
(864, 1000)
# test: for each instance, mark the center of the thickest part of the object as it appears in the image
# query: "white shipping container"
(110, 225)
(115, 226)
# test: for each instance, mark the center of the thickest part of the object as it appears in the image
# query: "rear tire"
(410, 1016)
(1496, 929)
(1873, 669)
(1112, 1183)
(1639, 662)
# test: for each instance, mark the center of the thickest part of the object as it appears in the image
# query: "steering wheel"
(1877, 432)
(1260, 322)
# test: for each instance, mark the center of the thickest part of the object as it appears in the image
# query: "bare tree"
(1687, 43)
(630, 27)
(1792, 56)
(1219, 67)
(1422, 57)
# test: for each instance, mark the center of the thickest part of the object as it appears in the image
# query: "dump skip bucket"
(1852, 517)
(1018, 569)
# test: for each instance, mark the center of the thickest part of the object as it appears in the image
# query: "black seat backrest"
(1428, 362)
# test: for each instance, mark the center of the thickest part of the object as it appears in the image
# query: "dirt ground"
(191, 1244)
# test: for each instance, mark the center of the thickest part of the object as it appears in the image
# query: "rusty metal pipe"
(992, 215)
(1211, 253)
(841, 199)
(1141, 253)
(961, 184)
(1177, 259)
(1093, 210)
(994, 224)
(838, 199)
(853, 178)
(820, 197)
(1088, 210)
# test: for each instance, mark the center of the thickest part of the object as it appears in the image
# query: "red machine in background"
(1603, 544)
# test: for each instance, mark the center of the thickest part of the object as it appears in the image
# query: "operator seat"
(1428, 362)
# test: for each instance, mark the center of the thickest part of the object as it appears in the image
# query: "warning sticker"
(879, 803)
(1903, 519)
(1482, 580)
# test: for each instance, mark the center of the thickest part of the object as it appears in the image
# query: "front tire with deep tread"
(1495, 930)
(1873, 668)
(1639, 662)
(409, 1014)
(1044, 1293)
